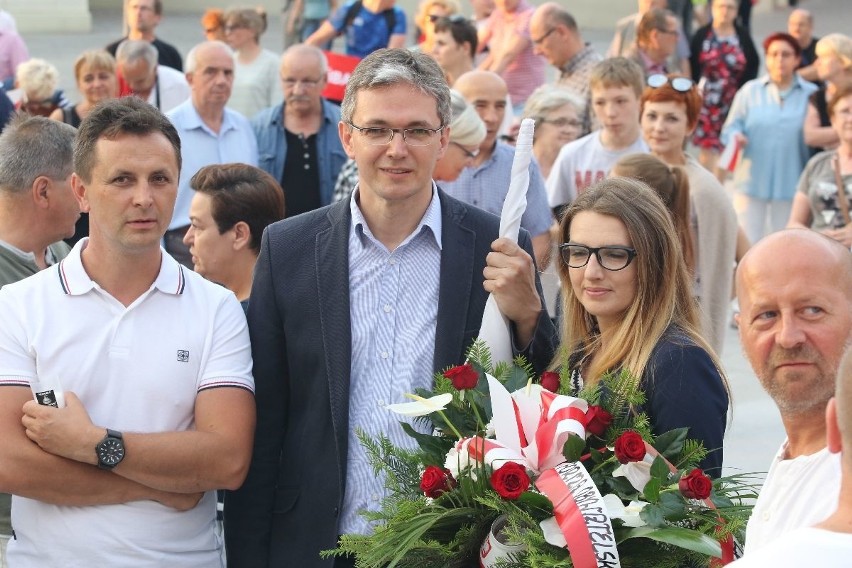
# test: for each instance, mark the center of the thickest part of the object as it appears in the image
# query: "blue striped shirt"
(486, 186)
(393, 312)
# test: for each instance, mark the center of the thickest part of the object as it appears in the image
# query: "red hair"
(691, 99)
(785, 37)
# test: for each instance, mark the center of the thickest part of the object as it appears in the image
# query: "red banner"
(340, 67)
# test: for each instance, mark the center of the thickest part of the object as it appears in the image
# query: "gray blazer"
(287, 510)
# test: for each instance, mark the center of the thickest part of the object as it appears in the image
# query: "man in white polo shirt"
(155, 366)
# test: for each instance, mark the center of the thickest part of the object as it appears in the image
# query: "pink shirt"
(13, 51)
(526, 72)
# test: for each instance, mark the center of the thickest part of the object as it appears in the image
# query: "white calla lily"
(421, 406)
(629, 515)
(552, 533)
(637, 473)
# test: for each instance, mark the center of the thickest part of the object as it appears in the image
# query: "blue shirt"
(393, 310)
(485, 186)
(200, 147)
(368, 31)
(776, 154)
(268, 127)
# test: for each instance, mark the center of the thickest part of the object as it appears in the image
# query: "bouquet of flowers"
(517, 473)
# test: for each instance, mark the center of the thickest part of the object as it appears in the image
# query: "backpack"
(352, 13)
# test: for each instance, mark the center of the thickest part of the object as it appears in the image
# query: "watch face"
(110, 452)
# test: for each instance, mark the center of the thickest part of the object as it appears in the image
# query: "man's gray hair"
(132, 50)
(387, 67)
(301, 49)
(33, 146)
(192, 60)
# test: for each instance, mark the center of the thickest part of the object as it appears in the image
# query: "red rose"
(597, 420)
(436, 481)
(630, 447)
(463, 377)
(695, 485)
(510, 481)
(550, 381)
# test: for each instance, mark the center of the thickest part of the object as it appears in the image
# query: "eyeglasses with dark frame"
(613, 258)
(382, 136)
(539, 41)
(679, 84)
(468, 153)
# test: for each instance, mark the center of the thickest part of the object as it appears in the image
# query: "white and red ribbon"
(581, 514)
(531, 426)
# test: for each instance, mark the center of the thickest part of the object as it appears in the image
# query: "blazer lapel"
(457, 267)
(332, 262)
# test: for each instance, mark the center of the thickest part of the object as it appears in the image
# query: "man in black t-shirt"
(142, 17)
(800, 25)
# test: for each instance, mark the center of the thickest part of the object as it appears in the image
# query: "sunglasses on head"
(679, 84)
(452, 18)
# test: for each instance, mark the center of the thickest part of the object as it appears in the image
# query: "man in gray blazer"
(360, 302)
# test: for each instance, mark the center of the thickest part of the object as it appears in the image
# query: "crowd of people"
(242, 271)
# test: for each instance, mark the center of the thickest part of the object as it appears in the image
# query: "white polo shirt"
(136, 369)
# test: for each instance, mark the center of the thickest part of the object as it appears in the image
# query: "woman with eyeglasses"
(467, 131)
(557, 113)
(628, 305)
(766, 121)
(670, 107)
(256, 80)
(723, 58)
(818, 204)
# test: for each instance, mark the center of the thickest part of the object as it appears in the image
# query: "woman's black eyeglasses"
(612, 257)
(679, 84)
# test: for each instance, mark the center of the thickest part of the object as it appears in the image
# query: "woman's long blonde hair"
(663, 288)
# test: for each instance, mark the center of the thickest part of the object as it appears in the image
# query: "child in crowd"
(616, 87)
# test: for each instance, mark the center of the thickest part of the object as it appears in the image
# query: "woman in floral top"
(723, 59)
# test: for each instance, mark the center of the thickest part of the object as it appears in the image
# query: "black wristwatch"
(110, 450)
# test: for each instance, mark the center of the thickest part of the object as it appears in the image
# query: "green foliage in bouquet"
(664, 522)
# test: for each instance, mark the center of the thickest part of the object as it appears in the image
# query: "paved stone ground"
(755, 429)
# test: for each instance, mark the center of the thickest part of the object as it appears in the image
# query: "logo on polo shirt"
(183, 356)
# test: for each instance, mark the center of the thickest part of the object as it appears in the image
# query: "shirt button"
(375, 496)
(387, 308)
(766, 515)
(384, 354)
(392, 261)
